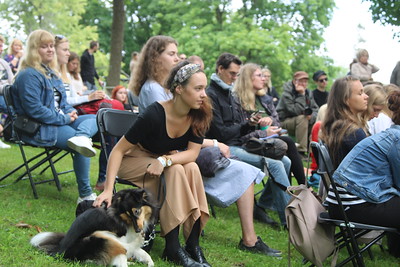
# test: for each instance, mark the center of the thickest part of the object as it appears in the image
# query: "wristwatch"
(169, 161)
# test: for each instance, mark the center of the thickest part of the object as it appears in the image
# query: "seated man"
(228, 126)
(297, 109)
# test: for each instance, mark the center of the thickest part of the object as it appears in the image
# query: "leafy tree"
(58, 17)
(385, 11)
(286, 36)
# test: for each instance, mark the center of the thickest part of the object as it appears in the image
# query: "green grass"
(55, 211)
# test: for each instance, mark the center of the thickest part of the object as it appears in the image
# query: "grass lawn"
(55, 211)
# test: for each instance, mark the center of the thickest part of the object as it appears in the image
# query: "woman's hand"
(155, 168)
(225, 151)
(106, 196)
(73, 115)
(96, 95)
(273, 130)
(254, 119)
(266, 121)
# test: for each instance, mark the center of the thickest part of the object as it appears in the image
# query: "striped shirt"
(346, 197)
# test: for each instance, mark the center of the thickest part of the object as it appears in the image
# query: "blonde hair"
(269, 84)
(10, 48)
(376, 97)
(31, 58)
(63, 67)
(243, 87)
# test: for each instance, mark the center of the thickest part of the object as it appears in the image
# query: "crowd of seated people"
(181, 116)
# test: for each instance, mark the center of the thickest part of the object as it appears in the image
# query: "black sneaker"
(260, 247)
(259, 214)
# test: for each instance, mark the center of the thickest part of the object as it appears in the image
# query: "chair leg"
(53, 169)
(28, 172)
(55, 161)
(213, 211)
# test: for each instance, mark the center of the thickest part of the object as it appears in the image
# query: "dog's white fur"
(132, 242)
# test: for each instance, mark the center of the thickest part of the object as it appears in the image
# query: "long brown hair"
(76, 72)
(339, 121)
(147, 66)
(394, 105)
(200, 118)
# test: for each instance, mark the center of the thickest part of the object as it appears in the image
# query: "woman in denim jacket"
(371, 173)
(39, 94)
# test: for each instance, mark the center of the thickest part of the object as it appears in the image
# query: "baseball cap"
(300, 75)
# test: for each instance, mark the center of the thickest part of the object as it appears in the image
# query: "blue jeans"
(90, 88)
(3, 106)
(85, 125)
(274, 195)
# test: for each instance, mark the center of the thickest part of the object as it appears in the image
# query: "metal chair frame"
(349, 231)
(50, 155)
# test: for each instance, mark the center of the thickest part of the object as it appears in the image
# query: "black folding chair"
(112, 125)
(349, 231)
(48, 155)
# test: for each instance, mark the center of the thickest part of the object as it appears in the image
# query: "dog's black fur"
(101, 234)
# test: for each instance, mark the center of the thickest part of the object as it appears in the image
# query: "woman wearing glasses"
(39, 94)
(251, 95)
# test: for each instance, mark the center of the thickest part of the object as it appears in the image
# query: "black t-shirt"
(320, 97)
(150, 131)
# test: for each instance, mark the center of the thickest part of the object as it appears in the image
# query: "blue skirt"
(229, 184)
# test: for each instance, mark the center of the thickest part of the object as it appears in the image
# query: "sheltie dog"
(105, 236)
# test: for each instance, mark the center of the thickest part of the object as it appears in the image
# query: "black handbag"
(26, 126)
(271, 148)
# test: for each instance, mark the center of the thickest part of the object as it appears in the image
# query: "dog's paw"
(119, 261)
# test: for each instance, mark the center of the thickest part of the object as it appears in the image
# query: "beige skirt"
(185, 200)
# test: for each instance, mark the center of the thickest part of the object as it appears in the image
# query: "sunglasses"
(59, 37)
(323, 80)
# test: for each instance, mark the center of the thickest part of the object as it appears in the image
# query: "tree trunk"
(117, 39)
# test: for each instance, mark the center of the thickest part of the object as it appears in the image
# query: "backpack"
(313, 240)
(273, 148)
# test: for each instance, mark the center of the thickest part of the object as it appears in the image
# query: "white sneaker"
(82, 145)
(89, 197)
(3, 145)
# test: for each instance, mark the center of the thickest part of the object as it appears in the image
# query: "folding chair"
(112, 125)
(49, 155)
(349, 231)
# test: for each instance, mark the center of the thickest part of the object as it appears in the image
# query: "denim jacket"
(33, 96)
(371, 170)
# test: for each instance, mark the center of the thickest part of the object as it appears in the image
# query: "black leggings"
(297, 164)
(382, 214)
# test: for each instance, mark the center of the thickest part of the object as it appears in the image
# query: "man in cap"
(320, 94)
(297, 109)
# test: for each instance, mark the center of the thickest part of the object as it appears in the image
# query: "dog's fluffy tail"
(48, 242)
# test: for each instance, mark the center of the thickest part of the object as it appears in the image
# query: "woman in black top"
(166, 139)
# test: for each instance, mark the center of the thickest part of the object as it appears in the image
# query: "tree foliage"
(285, 36)
(386, 11)
(58, 17)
